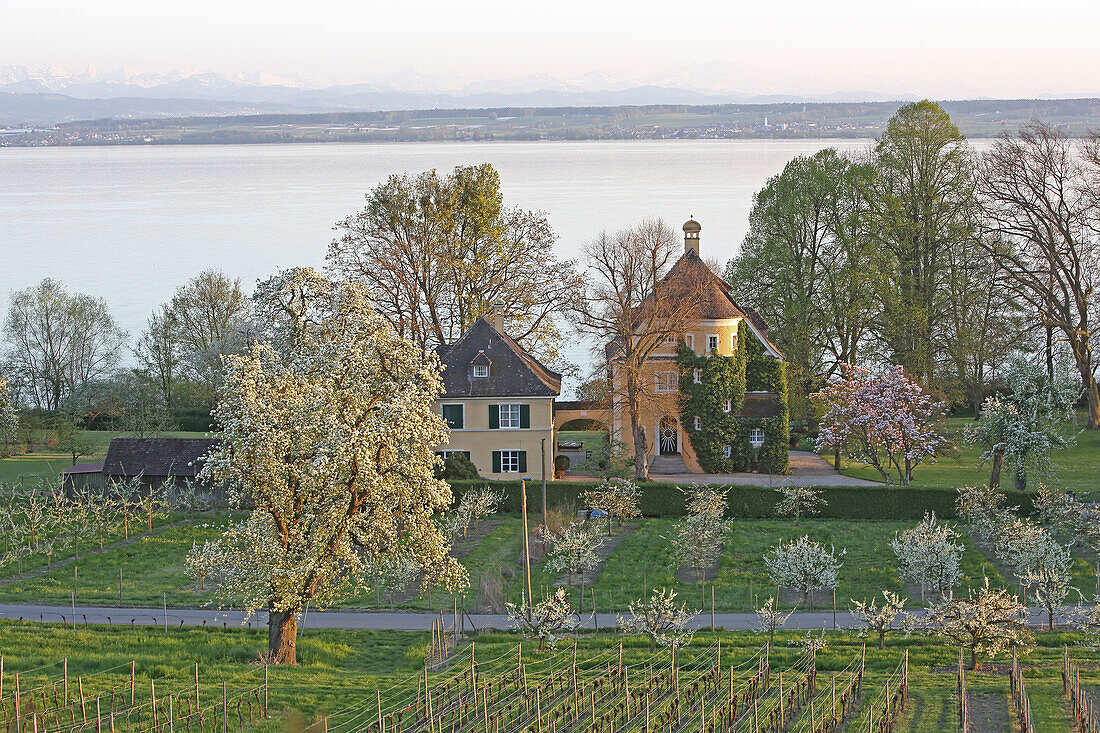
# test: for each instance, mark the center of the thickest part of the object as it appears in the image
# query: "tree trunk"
(995, 474)
(282, 637)
(882, 640)
(1020, 479)
(641, 462)
(836, 458)
(973, 658)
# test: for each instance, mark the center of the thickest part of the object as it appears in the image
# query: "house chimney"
(498, 316)
(691, 236)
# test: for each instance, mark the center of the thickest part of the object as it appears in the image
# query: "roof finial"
(691, 235)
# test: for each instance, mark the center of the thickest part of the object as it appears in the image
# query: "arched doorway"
(668, 436)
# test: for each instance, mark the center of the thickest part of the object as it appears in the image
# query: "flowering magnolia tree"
(616, 498)
(876, 619)
(804, 565)
(1023, 426)
(327, 433)
(883, 420)
(660, 619)
(929, 554)
(574, 550)
(987, 622)
(545, 620)
(798, 500)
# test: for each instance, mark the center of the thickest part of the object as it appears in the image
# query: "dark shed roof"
(513, 371)
(156, 456)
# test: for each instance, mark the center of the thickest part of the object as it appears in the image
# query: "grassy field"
(153, 568)
(339, 672)
(1075, 468)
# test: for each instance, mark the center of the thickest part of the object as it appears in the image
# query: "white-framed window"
(712, 342)
(509, 460)
(727, 450)
(698, 376)
(445, 454)
(509, 416)
(756, 437)
(690, 339)
(666, 382)
(728, 407)
(733, 342)
(481, 370)
(698, 423)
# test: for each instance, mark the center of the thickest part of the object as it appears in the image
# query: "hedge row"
(752, 502)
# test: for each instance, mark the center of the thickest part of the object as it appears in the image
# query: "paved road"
(176, 617)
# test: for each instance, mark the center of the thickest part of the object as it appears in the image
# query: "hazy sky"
(934, 47)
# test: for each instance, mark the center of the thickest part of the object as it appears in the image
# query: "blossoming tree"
(616, 498)
(804, 565)
(883, 420)
(929, 554)
(327, 433)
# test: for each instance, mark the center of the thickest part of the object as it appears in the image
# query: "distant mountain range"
(55, 94)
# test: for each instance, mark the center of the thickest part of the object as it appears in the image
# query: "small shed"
(83, 476)
(156, 460)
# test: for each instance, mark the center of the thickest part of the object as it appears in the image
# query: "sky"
(939, 48)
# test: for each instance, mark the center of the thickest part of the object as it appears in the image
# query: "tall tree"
(804, 264)
(328, 435)
(158, 353)
(1042, 207)
(60, 341)
(923, 203)
(628, 309)
(208, 315)
(435, 252)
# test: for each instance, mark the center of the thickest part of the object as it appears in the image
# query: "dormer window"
(481, 371)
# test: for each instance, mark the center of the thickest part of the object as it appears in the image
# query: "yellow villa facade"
(498, 402)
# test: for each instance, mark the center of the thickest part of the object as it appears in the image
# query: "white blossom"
(660, 619)
(799, 500)
(804, 565)
(987, 622)
(879, 619)
(616, 498)
(574, 550)
(546, 619)
(929, 555)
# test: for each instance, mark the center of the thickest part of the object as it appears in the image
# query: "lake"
(131, 224)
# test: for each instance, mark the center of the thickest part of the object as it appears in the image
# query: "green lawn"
(1075, 468)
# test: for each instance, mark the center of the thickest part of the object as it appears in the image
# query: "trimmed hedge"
(753, 502)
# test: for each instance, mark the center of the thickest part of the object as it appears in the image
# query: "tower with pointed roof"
(703, 416)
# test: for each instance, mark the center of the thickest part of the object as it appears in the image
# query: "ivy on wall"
(727, 378)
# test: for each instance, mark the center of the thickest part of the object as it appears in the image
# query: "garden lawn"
(153, 571)
(643, 562)
(1076, 467)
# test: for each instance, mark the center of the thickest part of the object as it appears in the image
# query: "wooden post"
(80, 687)
(782, 714)
(197, 683)
(595, 618)
(265, 689)
(64, 671)
(526, 546)
(712, 608)
(171, 715)
(225, 710)
(131, 683)
(152, 698)
(378, 697)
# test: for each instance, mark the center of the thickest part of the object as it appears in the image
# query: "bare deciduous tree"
(1042, 208)
(632, 310)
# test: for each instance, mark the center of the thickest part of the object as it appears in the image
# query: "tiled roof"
(156, 456)
(514, 372)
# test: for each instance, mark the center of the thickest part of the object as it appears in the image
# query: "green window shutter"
(494, 424)
(525, 416)
(496, 460)
(523, 461)
(453, 415)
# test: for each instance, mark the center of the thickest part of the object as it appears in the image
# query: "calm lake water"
(132, 223)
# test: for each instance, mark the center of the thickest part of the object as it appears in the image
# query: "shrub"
(458, 467)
